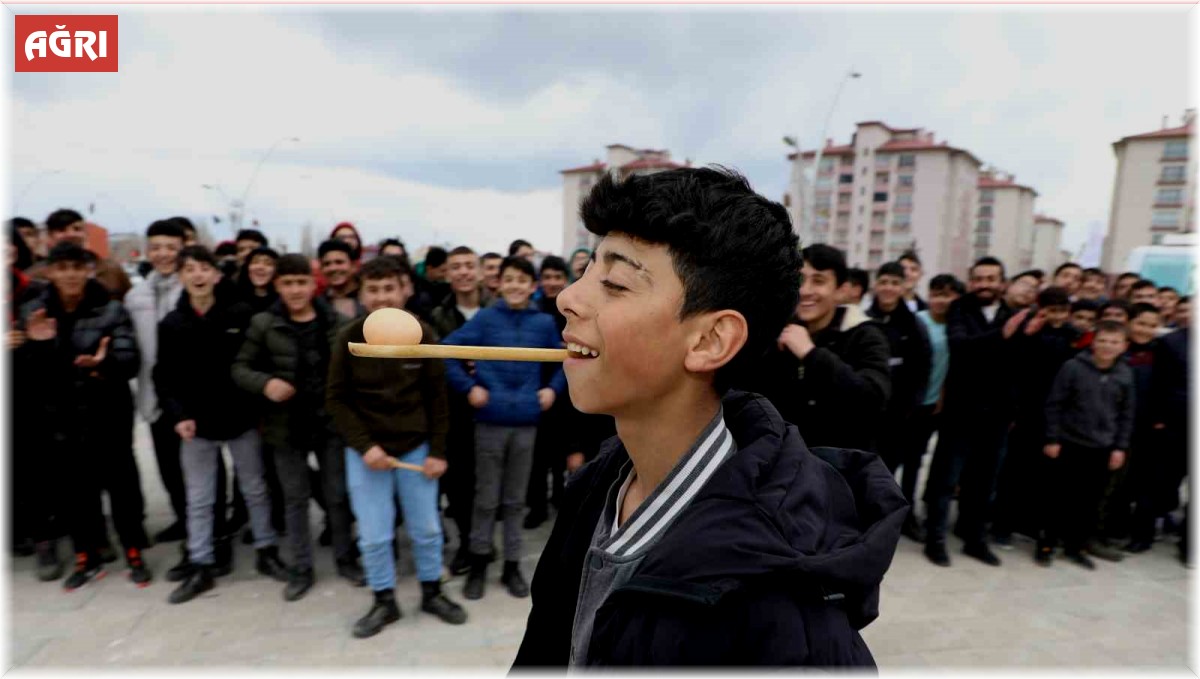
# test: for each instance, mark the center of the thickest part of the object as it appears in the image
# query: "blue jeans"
(371, 494)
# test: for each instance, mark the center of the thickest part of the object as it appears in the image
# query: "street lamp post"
(28, 186)
(810, 191)
(241, 204)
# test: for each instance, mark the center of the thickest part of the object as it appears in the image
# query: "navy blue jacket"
(776, 562)
(512, 385)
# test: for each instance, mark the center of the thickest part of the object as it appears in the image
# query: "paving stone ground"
(1127, 615)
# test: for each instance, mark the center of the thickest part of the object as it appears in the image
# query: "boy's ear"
(715, 339)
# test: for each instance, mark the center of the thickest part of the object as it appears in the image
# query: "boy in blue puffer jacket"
(509, 398)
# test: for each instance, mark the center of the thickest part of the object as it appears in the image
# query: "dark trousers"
(549, 462)
(968, 455)
(166, 452)
(458, 483)
(34, 483)
(1158, 470)
(1015, 508)
(906, 450)
(292, 466)
(1075, 483)
(103, 461)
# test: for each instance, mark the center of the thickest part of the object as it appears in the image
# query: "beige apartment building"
(1004, 227)
(1047, 243)
(623, 161)
(888, 190)
(1152, 193)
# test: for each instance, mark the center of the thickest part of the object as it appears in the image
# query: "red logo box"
(71, 43)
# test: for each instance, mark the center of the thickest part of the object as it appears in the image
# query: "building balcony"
(1172, 182)
(902, 208)
(1164, 228)
(1177, 203)
(1173, 159)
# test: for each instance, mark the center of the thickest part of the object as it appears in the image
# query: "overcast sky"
(451, 124)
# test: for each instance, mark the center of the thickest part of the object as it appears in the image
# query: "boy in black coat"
(707, 532)
(81, 344)
(197, 343)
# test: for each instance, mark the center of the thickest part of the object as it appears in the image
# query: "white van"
(1172, 263)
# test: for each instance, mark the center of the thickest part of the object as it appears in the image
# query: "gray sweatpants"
(198, 458)
(503, 458)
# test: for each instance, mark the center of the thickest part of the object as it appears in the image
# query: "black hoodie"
(908, 342)
(776, 562)
(195, 358)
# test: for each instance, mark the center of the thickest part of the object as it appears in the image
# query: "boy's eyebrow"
(610, 257)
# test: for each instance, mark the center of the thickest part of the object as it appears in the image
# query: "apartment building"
(1047, 243)
(1152, 192)
(888, 190)
(1004, 225)
(621, 160)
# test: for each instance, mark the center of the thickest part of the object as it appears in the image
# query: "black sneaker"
(298, 585)
(223, 556)
(911, 529)
(268, 563)
(49, 566)
(1044, 556)
(936, 553)
(325, 539)
(351, 571)
(383, 612)
(139, 573)
(434, 601)
(513, 580)
(1137, 547)
(1079, 559)
(534, 519)
(979, 550)
(86, 569)
(172, 533)
(198, 581)
(107, 555)
(461, 564)
(476, 578)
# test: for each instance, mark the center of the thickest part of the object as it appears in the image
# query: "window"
(845, 179)
(843, 199)
(1175, 150)
(983, 226)
(1173, 173)
(903, 200)
(1169, 197)
(883, 160)
(881, 196)
(902, 221)
(985, 210)
(1156, 239)
(823, 183)
(906, 181)
(987, 196)
(982, 241)
(847, 159)
(826, 165)
(1165, 218)
(878, 217)
(882, 178)
(908, 160)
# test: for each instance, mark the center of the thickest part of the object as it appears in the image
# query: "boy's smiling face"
(626, 309)
(516, 287)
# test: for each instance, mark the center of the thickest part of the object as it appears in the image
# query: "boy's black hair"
(1121, 304)
(184, 223)
(24, 254)
(824, 257)
(1142, 284)
(1092, 272)
(1037, 274)
(1186, 299)
(384, 267)
(944, 281)
(1085, 305)
(59, 220)
(517, 245)
(244, 284)
(21, 223)
(165, 227)
(198, 253)
(391, 241)
(859, 277)
(1067, 265)
(1167, 288)
(989, 261)
(1112, 327)
(554, 263)
(520, 264)
(730, 247)
(293, 265)
(490, 255)
(890, 269)
(1129, 274)
(67, 252)
(252, 234)
(435, 258)
(460, 250)
(910, 255)
(1053, 296)
(1142, 308)
(335, 245)
(226, 248)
